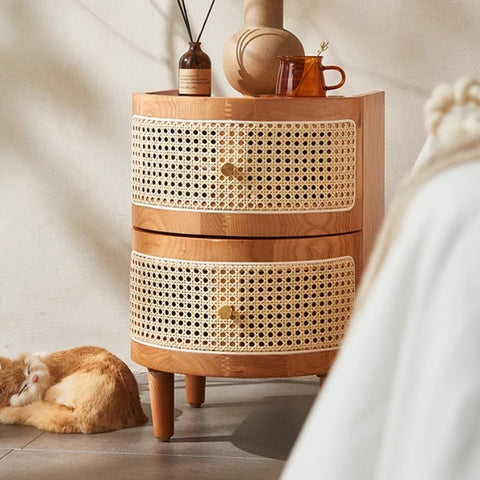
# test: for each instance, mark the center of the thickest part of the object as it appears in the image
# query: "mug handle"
(342, 73)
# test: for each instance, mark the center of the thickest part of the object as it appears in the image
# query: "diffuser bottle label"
(194, 81)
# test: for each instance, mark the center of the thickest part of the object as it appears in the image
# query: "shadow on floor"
(271, 419)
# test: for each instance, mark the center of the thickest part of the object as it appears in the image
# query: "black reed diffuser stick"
(205, 21)
(183, 9)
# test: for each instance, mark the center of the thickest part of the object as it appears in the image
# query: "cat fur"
(82, 390)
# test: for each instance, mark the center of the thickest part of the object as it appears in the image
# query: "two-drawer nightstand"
(252, 220)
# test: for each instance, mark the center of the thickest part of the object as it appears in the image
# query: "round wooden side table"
(252, 219)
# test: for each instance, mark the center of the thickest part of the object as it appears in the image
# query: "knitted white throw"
(402, 401)
(452, 119)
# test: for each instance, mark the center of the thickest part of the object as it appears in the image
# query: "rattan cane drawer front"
(240, 307)
(244, 166)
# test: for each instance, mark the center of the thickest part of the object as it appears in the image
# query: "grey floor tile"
(16, 436)
(3, 452)
(245, 429)
(141, 441)
(239, 419)
(53, 465)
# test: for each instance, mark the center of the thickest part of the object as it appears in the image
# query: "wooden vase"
(250, 58)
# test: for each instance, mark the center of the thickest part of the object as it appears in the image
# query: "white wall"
(67, 72)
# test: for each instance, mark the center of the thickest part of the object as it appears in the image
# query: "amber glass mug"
(302, 76)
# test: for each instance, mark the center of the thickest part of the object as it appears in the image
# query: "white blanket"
(403, 398)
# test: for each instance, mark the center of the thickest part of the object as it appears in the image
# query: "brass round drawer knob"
(225, 312)
(227, 169)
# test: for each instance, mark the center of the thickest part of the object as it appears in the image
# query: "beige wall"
(67, 72)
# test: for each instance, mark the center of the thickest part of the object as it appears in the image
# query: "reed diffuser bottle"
(194, 67)
(194, 72)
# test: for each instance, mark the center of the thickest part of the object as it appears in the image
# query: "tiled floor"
(245, 430)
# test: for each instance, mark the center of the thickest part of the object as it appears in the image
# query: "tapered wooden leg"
(194, 390)
(161, 399)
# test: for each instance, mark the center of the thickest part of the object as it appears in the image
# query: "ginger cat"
(83, 390)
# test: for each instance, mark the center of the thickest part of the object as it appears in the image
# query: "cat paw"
(6, 416)
(16, 400)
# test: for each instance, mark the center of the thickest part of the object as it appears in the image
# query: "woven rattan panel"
(267, 307)
(243, 166)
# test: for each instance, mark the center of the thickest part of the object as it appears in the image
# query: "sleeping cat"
(83, 390)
